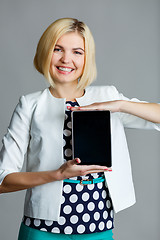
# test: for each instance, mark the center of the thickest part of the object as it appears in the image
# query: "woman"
(56, 204)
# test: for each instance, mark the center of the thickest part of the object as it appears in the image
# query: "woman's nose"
(66, 58)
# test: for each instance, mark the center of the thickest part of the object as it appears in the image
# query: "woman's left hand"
(113, 106)
(147, 111)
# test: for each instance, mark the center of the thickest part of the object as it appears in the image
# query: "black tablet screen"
(91, 137)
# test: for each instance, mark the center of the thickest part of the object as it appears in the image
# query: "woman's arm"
(23, 180)
(147, 111)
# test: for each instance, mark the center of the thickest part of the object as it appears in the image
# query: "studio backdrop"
(127, 38)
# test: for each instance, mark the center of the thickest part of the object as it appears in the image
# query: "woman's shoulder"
(31, 100)
(102, 87)
(106, 90)
(33, 97)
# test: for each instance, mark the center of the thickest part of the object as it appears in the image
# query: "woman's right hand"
(23, 180)
(72, 169)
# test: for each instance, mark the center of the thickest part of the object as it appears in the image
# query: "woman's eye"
(57, 50)
(76, 52)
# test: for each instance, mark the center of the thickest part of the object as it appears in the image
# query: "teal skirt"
(28, 233)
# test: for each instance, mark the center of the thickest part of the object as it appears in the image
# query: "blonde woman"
(57, 206)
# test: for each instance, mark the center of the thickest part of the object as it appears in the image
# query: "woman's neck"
(70, 93)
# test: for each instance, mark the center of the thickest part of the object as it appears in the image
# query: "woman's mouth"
(64, 70)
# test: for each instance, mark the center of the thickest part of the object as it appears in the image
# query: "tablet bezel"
(73, 130)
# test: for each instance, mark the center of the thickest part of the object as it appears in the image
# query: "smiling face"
(67, 61)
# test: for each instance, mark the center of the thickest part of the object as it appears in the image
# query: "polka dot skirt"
(84, 208)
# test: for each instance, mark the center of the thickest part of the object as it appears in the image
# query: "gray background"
(127, 36)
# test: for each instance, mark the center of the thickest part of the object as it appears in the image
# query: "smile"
(64, 69)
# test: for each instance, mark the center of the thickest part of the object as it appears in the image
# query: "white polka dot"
(99, 185)
(85, 196)
(80, 208)
(79, 187)
(68, 104)
(105, 214)
(73, 178)
(74, 219)
(104, 194)
(64, 142)
(61, 220)
(37, 222)
(67, 209)
(73, 198)
(90, 186)
(67, 133)
(66, 116)
(95, 175)
(55, 230)
(68, 152)
(101, 226)
(96, 216)
(85, 177)
(96, 195)
(48, 222)
(100, 205)
(43, 229)
(68, 230)
(91, 206)
(28, 222)
(109, 224)
(108, 204)
(81, 228)
(62, 199)
(86, 217)
(106, 184)
(67, 188)
(69, 124)
(111, 213)
(92, 227)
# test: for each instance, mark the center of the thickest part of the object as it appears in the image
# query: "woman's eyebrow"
(79, 49)
(73, 48)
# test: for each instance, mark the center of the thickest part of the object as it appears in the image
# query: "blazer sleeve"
(15, 142)
(131, 121)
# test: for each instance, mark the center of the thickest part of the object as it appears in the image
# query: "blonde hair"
(48, 41)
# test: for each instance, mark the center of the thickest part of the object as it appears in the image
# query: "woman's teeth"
(65, 69)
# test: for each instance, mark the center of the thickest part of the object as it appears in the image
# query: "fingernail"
(77, 160)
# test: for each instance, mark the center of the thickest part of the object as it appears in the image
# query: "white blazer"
(36, 129)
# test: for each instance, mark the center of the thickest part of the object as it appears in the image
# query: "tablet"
(91, 137)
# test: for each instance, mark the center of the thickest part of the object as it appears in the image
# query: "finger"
(84, 170)
(96, 171)
(93, 106)
(74, 161)
(77, 160)
(83, 108)
(73, 108)
(109, 169)
(88, 107)
(95, 167)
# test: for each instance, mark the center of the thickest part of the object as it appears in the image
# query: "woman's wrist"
(122, 105)
(56, 175)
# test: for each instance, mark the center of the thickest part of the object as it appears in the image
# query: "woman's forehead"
(73, 39)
